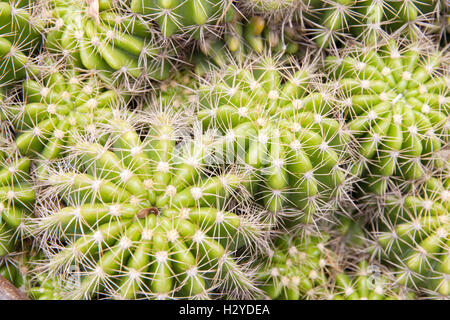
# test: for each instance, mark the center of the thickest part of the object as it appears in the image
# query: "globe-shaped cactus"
(367, 282)
(297, 267)
(414, 236)
(17, 197)
(396, 103)
(98, 35)
(141, 218)
(61, 104)
(20, 33)
(278, 128)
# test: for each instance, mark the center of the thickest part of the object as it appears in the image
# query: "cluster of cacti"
(235, 149)
(142, 218)
(331, 23)
(98, 36)
(395, 100)
(279, 129)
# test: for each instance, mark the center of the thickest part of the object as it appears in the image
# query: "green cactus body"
(367, 282)
(414, 236)
(192, 17)
(143, 220)
(296, 268)
(56, 109)
(243, 38)
(20, 34)
(279, 131)
(17, 197)
(331, 23)
(396, 104)
(105, 40)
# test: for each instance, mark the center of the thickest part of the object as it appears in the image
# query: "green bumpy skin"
(141, 219)
(414, 236)
(367, 282)
(60, 106)
(279, 130)
(243, 38)
(276, 10)
(20, 34)
(396, 103)
(296, 268)
(193, 17)
(17, 197)
(106, 40)
(332, 23)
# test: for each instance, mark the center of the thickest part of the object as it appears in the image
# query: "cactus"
(413, 236)
(16, 203)
(332, 23)
(20, 34)
(396, 102)
(367, 282)
(243, 38)
(62, 103)
(177, 92)
(193, 17)
(96, 35)
(297, 267)
(143, 219)
(278, 128)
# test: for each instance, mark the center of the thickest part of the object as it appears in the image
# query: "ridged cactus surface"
(20, 34)
(278, 128)
(98, 35)
(57, 108)
(224, 149)
(142, 219)
(395, 101)
(185, 17)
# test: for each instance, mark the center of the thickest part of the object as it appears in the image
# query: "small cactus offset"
(55, 108)
(242, 38)
(276, 124)
(98, 36)
(20, 35)
(396, 104)
(367, 282)
(297, 267)
(143, 219)
(413, 236)
(224, 149)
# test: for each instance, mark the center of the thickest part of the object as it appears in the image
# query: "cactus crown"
(413, 235)
(274, 122)
(143, 218)
(395, 100)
